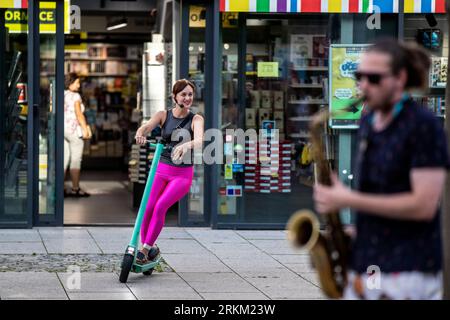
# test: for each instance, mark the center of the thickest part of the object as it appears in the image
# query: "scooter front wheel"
(127, 263)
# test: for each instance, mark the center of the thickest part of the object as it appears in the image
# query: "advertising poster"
(343, 91)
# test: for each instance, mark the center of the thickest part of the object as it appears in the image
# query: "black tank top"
(170, 125)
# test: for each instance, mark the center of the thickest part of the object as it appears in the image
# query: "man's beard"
(386, 105)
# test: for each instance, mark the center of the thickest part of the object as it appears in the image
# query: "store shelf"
(299, 135)
(306, 85)
(251, 73)
(99, 59)
(310, 69)
(300, 118)
(104, 75)
(312, 101)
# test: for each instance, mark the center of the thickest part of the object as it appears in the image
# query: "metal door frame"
(33, 123)
(212, 99)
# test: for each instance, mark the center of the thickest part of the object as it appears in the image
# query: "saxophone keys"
(335, 255)
(338, 269)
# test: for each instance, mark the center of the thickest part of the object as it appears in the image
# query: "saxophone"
(329, 251)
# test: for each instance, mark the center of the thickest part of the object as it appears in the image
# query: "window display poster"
(438, 72)
(344, 62)
(228, 171)
(301, 49)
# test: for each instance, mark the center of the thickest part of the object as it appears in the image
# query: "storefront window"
(431, 33)
(13, 127)
(230, 206)
(287, 69)
(286, 79)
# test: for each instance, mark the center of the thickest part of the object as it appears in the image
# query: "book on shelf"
(278, 100)
(266, 99)
(250, 117)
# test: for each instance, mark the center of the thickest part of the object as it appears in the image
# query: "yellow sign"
(76, 42)
(16, 20)
(197, 18)
(230, 19)
(268, 69)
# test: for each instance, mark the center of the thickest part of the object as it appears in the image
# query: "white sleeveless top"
(70, 118)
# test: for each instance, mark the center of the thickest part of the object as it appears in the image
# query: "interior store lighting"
(114, 25)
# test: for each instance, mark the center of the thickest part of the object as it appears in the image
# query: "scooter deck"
(139, 268)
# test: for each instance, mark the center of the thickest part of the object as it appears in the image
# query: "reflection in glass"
(13, 118)
(47, 128)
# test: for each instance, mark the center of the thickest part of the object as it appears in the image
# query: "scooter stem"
(148, 187)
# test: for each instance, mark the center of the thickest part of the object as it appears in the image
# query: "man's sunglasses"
(373, 78)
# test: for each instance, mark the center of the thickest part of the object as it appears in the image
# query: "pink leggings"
(170, 185)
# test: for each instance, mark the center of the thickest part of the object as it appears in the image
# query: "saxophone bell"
(303, 229)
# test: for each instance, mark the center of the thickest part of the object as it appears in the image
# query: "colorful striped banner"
(424, 6)
(14, 4)
(331, 6)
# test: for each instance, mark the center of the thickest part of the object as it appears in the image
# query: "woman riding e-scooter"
(175, 170)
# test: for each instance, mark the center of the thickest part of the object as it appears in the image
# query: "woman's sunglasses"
(373, 78)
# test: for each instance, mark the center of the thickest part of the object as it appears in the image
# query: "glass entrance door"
(49, 210)
(193, 47)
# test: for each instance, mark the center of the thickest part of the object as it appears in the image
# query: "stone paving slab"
(276, 247)
(56, 233)
(234, 296)
(259, 263)
(217, 282)
(282, 287)
(71, 246)
(107, 234)
(101, 296)
(298, 293)
(167, 285)
(227, 250)
(93, 283)
(198, 263)
(290, 258)
(22, 248)
(262, 234)
(174, 233)
(311, 277)
(31, 285)
(183, 246)
(10, 235)
(300, 268)
(204, 235)
(113, 247)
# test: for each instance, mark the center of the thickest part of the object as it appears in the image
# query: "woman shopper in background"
(175, 170)
(76, 130)
(401, 168)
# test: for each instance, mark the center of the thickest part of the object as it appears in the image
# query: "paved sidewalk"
(199, 263)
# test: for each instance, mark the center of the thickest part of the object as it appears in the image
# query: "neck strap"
(397, 108)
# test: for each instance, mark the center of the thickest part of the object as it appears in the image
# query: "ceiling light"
(117, 24)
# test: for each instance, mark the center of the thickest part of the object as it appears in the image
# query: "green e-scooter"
(129, 259)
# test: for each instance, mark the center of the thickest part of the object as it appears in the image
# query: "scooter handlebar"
(153, 145)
